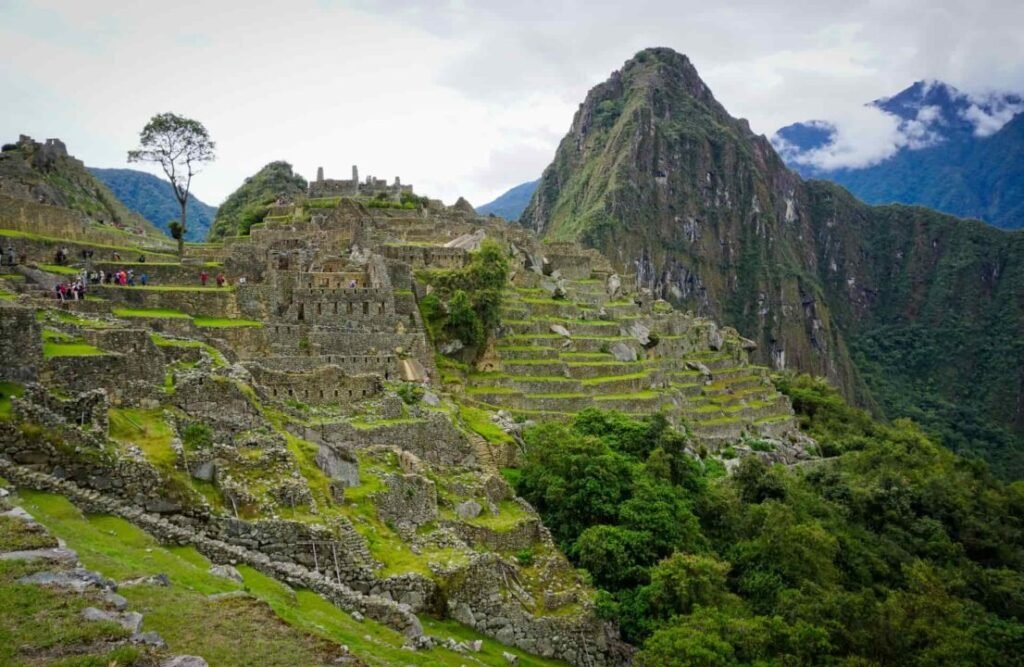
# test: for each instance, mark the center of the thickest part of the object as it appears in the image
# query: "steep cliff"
(897, 305)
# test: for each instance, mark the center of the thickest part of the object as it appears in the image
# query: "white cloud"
(990, 115)
(464, 97)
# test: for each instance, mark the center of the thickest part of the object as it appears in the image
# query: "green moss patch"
(163, 313)
(8, 390)
(224, 322)
(53, 349)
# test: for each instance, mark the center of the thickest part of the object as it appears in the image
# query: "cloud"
(457, 96)
(989, 115)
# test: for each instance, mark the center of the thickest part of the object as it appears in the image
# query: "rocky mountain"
(250, 202)
(45, 174)
(909, 311)
(959, 154)
(153, 198)
(510, 205)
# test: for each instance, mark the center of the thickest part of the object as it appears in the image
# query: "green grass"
(54, 349)
(7, 296)
(15, 234)
(638, 395)
(224, 322)
(163, 313)
(146, 428)
(479, 421)
(7, 390)
(57, 268)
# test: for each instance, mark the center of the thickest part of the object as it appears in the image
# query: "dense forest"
(891, 550)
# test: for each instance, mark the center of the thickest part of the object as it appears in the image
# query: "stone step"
(535, 367)
(584, 370)
(527, 384)
(527, 353)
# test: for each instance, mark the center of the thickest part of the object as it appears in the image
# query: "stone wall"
(324, 385)
(21, 346)
(431, 438)
(207, 302)
(65, 226)
(420, 257)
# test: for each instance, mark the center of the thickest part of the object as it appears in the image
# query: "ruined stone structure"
(353, 187)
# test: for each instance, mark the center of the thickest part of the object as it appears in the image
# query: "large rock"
(468, 510)
(560, 330)
(623, 352)
(228, 572)
(184, 661)
(339, 465)
(640, 332)
(613, 286)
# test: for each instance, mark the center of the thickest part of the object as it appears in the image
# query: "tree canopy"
(180, 146)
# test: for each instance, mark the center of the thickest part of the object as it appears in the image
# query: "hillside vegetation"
(153, 198)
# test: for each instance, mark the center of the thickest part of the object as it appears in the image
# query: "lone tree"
(179, 145)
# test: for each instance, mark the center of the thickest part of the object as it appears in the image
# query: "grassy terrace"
(15, 234)
(53, 349)
(199, 321)
(59, 269)
(261, 621)
(161, 313)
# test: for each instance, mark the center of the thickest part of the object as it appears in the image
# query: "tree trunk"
(181, 239)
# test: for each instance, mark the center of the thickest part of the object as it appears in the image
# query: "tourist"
(59, 291)
(117, 256)
(142, 259)
(352, 284)
(101, 276)
(10, 255)
(144, 279)
(131, 277)
(203, 277)
(221, 280)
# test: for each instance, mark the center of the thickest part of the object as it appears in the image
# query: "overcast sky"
(458, 97)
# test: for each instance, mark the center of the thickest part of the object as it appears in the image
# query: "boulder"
(613, 286)
(468, 510)
(184, 661)
(338, 465)
(226, 571)
(715, 338)
(640, 332)
(560, 330)
(623, 352)
(510, 658)
(699, 367)
(205, 472)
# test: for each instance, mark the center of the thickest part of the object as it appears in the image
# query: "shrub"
(197, 435)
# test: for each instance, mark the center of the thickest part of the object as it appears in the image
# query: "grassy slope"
(234, 631)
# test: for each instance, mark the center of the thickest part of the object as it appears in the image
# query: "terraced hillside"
(300, 418)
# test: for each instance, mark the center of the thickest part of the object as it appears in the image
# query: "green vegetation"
(59, 349)
(466, 303)
(164, 313)
(250, 203)
(147, 429)
(224, 322)
(8, 390)
(895, 551)
(60, 269)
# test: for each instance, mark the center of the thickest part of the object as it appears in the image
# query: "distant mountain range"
(153, 198)
(511, 204)
(958, 153)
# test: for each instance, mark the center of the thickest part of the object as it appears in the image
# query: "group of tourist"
(221, 279)
(70, 290)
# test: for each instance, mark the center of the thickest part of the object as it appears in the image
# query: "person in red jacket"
(203, 277)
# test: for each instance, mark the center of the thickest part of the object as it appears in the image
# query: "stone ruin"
(353, 187)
